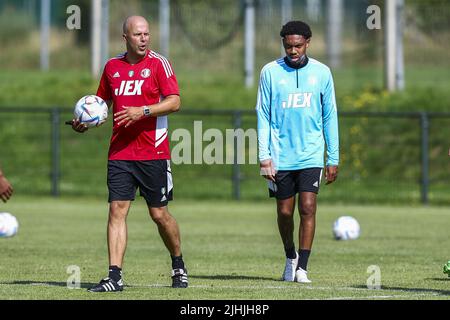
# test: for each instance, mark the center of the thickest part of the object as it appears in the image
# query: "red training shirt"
(144, 83)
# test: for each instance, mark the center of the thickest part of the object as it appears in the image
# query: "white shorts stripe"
(169, 177)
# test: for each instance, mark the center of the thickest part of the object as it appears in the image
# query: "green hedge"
(380, 157)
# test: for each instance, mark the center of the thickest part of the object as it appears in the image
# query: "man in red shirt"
(143, 89)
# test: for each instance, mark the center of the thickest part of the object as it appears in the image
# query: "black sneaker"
(179, 278)
(107, 285)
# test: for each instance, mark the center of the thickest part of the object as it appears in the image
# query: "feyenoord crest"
(145, 73)
(163, 190)
(130, 73)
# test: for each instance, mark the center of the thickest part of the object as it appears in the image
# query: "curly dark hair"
(296, 27)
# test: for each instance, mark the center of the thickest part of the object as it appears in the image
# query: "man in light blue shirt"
(297, 117)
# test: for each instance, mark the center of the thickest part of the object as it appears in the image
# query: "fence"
(202, 29)
(385, 157)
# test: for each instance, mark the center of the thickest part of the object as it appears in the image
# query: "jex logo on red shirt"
(129, 88)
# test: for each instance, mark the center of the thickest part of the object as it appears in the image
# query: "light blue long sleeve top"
(297, 116)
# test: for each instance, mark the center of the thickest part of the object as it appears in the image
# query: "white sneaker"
(289, 269)
(302, 276)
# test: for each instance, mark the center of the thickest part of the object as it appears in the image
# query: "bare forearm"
(169, 105)
(129, 115)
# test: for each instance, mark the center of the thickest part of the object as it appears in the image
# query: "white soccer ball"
(8, 225)
(91, 110)
(346, 228)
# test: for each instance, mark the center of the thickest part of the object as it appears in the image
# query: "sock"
(290, 252)
(303, 258)
(115, 273)
(177, 262)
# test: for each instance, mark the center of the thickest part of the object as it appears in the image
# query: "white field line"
(293, 287)
(409, 293)
(382, 297)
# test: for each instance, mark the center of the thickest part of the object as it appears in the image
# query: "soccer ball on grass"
(8, 225)
(346, 228)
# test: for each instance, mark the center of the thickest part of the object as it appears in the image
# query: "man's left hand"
(129, 115)
(331, 173)
(6, 190)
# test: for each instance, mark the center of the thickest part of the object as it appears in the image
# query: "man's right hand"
(78, 126)
(267, 170)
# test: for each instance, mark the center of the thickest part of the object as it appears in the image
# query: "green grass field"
(232, 251)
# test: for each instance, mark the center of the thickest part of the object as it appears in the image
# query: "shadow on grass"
(412, 290)
(47, 283)
(232, 277)
(85, 285)
(439, 279)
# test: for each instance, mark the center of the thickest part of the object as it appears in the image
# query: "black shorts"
(290, 182)
(153, 177)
